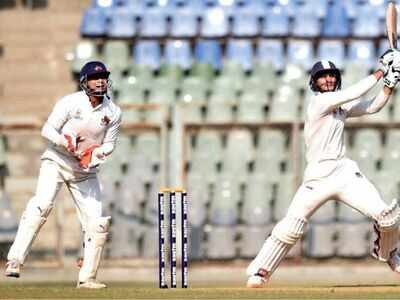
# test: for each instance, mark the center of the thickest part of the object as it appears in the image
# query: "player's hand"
(392, 77)
(386, 60)
(71, 142)
(92, 157)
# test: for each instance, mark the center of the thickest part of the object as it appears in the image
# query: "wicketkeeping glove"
(92, 157)
(71, 142)
(386, 60)
(391, 78)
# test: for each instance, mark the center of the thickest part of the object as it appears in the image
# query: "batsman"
(82, 131)
(329, 173)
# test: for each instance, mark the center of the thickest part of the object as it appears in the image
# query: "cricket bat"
(391, 24)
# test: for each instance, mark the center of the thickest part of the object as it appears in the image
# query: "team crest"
(105, 121)
(98, 68)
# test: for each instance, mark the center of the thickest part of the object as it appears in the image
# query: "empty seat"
(362, 52)
(252, 239)
(354, 71)
(306, 24)
(94, 23)
(391, 152)
(320, 240)
(116, 55)
(196, 244)
(251, 107)
(295, 76)
(209, 52)
(130, 92)
(336, 23)
(348, 214)
(8, 219)
(150, 242)
(220, 107)
(209, 142)
(149, 145)
(367, 149)
(367, 23)
(257, 208)
(240, 51)
(257, 81)
(122, 23)
(178, 53)
(285, 192)
(332, 50)
(84, 51)
(148, 53)
(387, 186)
(221, 242)
(131, 193)
(240, 141)
(270, 51)
(285, 104)
(153, 23)
(300, 52)
(184, 23)
(245, 23)
(214, 23)
(276, 22)
(353, 239)
(326, 213)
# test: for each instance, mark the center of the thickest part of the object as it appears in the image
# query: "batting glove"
(391, 78)
(386, 60)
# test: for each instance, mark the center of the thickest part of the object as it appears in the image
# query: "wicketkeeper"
(329, 173)
(82, 131)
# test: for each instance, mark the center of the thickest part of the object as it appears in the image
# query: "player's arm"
(57, 118)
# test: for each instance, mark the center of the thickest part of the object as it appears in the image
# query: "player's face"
(97, 83)
(326, 82)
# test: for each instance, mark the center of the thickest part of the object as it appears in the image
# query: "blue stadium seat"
(177, 52)
(258, 8)
(276, 22)
(154, 23)
(300, 52)
(147, 52)
(209, 52)
(367, 23)
(363, 52)
(245, 23)
(271, 51)
(336, 23)
(214, 23)
(122, 23)
(183, 23)
(94, 23)
(240, 51)
(332, 50)
(104, 4)
(136, 7)
(317, 7)
(306, 24)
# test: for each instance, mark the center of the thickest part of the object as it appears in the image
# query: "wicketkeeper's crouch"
(82, 131)
(329, 174)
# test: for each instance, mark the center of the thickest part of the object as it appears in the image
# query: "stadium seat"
(336, 23)
(84, 51)
(221, 242)
(193, 96)
(306, 24)
(148, 53)
(202, 164)
(318, 7)
(150, 242)
(348, 214)
(285, 192)
(354, 239)
(94, 23)
(270, 51)
(326, 213)
(8, 219)
(257, 204)
(320, 241)
(257, 81)
(353, 72)
(130, 92)
(275, 23)
(149, 145)
(178, 53)
(153, 23)
(240, 51)
(362, 52)
(387, 186)
(130, 193)
(245, 23)
(209, 142)
(122, 23)
(295, 76)
(214, 24)
(391, 152)
(184, 24)
(332, 50)
(285, 104)
(116, 55)
(383, 116)
(252, 239)
(367, 23)
(301, 52)
(209, 52)
(251, 107)
(367, 149)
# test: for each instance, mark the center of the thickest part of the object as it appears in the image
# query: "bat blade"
(391, 24)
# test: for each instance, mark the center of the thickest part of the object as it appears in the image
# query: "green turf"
(66, 290)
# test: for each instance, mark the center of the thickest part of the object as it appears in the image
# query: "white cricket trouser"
(339, 180)
(86, 195)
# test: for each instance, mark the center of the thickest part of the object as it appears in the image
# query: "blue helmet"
(93, 70)
(322, 67)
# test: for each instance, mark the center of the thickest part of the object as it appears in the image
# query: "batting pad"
(283, 237)
(386, 228)
(95, 240)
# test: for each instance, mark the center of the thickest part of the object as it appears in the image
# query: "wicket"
(172, 194)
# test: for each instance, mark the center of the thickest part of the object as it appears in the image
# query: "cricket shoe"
(13, 268)
(394, 262)
(90, 284)
(256, 281)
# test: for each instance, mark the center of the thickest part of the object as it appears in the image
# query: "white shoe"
(91, 284)
(256, 281)
(394, 262)
(13, 268)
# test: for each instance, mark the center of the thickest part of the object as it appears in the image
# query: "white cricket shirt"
(74, 113)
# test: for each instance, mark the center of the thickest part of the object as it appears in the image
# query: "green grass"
(126, 290)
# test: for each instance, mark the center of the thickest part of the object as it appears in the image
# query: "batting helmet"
(322, 67)
(93, 70)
